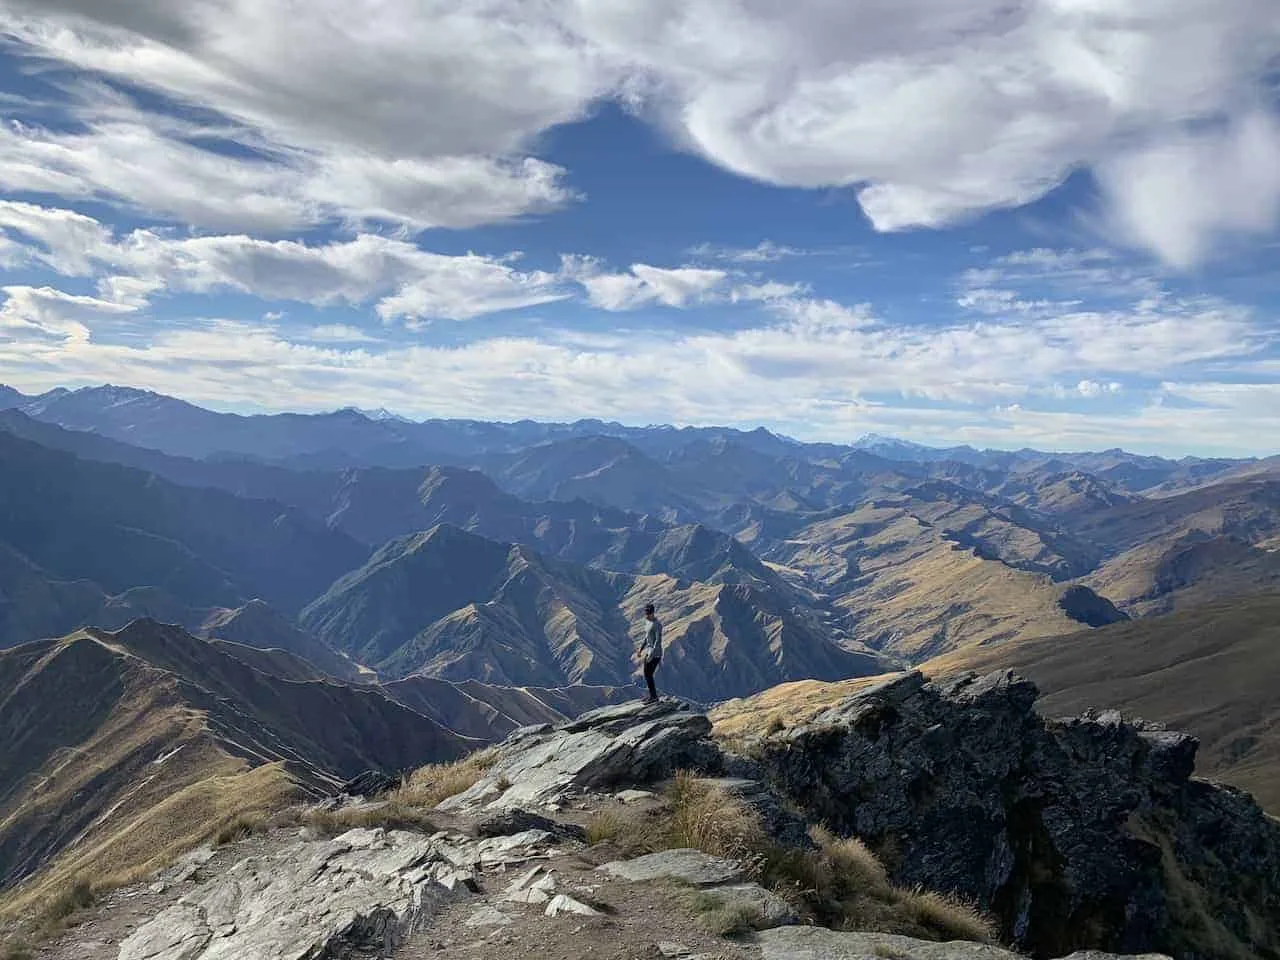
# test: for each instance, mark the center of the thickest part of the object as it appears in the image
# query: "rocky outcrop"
(629, 744)
(356, 895)
(1084, 833)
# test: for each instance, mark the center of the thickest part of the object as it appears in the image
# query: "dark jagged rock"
(371, 783)
(510, 822)
(1078, 834)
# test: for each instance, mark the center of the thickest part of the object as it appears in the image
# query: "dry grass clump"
(696, 814)
(707, 818)
(76, 896)
(840, 883)
(391, 815)
(941, 911)
(240, 827)
(714, 914)
(429, 785)
(408, 807)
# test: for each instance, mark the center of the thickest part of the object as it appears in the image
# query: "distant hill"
(171, 737)
(452, 605)
(74, 532)
(1210, 670)
(937, 568)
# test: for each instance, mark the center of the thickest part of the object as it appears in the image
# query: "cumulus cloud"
(1179, 196)
(931, 110)
(45, 314)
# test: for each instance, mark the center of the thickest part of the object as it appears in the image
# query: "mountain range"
(246, 610)
(879, 546)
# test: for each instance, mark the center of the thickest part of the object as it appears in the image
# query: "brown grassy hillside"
(119, 750)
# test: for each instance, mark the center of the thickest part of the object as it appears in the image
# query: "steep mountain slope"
(1166, 553)
(257, 625)
(170, 737)
(1209, 670)
(452, 605)
(10, 397)
(490, 712)
(80, 520)
(937, 568)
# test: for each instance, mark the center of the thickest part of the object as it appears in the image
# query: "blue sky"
(1048, 223)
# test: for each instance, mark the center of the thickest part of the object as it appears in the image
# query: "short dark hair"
(648, 608)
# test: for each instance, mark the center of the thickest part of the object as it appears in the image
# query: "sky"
(1048, 223)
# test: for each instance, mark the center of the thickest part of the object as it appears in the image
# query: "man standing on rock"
(651, 651)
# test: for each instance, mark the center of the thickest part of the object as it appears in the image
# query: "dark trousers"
(650, 667)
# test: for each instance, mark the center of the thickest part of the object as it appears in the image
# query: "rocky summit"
(1080, 836)
(1078, 833)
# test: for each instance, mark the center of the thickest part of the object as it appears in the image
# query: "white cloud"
(35, 314)
(644, 284)
(1177, 197)
(820, 369)
(404, 281)
(1092, 388)
(158, 171)
(932, 110)
(766, 251)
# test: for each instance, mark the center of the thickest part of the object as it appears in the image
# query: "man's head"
(648, 611)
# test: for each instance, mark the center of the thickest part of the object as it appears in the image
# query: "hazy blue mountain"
(118, 528)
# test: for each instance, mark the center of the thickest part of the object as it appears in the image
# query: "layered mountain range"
(259, 607)
(878, 547)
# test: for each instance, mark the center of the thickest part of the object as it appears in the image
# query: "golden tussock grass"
(431, 784)
(132, 847)
(838, 883)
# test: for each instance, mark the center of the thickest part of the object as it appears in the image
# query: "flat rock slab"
(360, 891)
(818, 943)
(614, 746)
(772, 909)
(563, 903)
(691, 866)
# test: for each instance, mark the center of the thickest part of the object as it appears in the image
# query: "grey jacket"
(652, 646)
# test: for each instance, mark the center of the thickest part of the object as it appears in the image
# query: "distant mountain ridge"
(452, 605)
(881, 543)
(76, 533)
(348, 437)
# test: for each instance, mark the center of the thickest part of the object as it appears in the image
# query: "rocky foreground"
(1075, 836)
